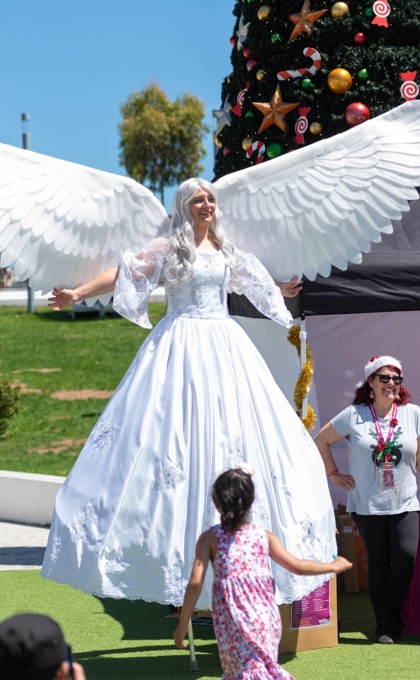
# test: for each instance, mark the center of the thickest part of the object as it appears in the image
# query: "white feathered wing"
(326, 203)
(61, 224)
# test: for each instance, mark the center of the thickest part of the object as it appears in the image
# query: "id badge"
(387, 474)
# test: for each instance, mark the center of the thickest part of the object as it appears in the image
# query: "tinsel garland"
(303, 383)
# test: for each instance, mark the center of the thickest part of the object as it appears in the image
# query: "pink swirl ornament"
(301, 125)
(237, 109)
(409, 89)
(382, 10)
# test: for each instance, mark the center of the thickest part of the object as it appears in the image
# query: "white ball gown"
(197, 399)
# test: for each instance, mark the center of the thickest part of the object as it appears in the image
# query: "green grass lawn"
(122, 640)
(47, 353)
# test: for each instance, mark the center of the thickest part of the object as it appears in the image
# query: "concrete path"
(21, 546)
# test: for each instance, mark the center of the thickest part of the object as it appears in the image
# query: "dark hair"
(362, 393)
(233, 493)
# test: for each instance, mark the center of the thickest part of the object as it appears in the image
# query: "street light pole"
(26, 144)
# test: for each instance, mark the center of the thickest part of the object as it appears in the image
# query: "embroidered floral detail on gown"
(197, 399)
(245, 615)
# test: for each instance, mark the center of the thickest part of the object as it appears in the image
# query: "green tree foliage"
(9, 404)
(347, 35)
(161, 141)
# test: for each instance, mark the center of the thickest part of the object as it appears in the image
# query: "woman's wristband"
(334, 472)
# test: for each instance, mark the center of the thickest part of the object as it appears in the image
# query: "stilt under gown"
(197, 399)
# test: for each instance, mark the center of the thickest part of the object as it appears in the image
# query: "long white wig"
(181, 233)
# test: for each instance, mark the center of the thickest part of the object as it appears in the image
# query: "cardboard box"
(351, 546)
(307, 624)
(346, 530)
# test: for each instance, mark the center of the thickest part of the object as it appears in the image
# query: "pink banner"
(313, 610)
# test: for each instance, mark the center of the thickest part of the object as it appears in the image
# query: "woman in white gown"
(197, 399)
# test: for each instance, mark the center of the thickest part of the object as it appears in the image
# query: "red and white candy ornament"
(409, 89)
(302, 124)
(316, 64)
(382, 10)
(237, 109)
(259, 147)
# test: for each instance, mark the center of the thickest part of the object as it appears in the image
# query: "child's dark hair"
(233, 493)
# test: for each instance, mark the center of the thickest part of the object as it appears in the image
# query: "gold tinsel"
(303, 383)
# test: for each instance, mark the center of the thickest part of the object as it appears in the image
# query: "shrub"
(9, 404)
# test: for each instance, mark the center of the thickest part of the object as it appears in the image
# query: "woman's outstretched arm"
(65, 297)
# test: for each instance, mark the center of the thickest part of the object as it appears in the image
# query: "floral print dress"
(246, 618)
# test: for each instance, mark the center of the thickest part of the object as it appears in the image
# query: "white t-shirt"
(369, 497)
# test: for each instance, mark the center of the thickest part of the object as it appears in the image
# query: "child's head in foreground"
(233, 494)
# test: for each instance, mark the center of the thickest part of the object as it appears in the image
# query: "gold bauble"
(216, 141)
(260, 74)
(246, 143)
(263, 12)
(339, 9)
(315, 128)
(339, 80)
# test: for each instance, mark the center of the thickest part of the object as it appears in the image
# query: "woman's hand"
(343, 481)
(63, 297)
(290, 289)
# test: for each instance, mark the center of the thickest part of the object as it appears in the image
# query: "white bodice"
(204, 296)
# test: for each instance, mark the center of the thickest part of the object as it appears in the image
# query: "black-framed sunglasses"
(383, 378)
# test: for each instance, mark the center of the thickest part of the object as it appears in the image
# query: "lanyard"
(382, 444)
(384, 447)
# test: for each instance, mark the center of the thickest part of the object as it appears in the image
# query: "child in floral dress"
(245, 615)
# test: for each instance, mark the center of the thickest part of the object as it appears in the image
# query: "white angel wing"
(325, 204)
(61, 224)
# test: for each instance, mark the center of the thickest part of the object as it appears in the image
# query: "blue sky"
(71, 65)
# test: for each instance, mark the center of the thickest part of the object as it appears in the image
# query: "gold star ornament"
(304, 21)
(274, 111)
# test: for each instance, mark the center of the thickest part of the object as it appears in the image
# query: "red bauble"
(359, 38)
(232, 41)
(356, 113)
(247, 52)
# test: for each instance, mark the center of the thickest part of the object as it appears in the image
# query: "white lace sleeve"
(253, 280)
(138, 276)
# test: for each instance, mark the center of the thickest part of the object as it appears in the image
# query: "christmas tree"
(304, 70)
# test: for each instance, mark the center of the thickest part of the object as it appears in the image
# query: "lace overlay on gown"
(197, 399)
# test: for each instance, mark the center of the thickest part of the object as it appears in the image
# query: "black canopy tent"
(388, 279)
(371, 308)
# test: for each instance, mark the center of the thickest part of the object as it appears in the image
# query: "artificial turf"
(123, 640)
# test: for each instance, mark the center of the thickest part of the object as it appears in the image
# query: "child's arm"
(202, 555)
(303, 567)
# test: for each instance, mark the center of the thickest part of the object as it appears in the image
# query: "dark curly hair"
(233, 493)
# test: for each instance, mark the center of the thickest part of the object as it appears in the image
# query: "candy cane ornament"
(382, 10)
(316, 64)
(256, 146)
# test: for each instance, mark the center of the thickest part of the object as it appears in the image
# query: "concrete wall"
(28, 498)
